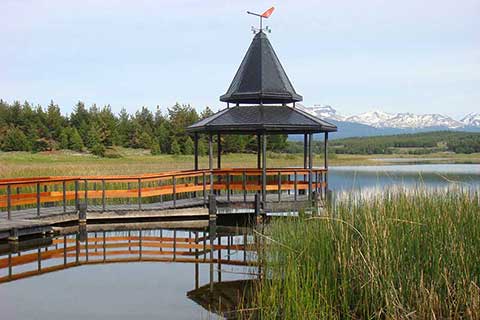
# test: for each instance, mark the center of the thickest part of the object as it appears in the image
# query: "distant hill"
(416, 143)
(378, 123)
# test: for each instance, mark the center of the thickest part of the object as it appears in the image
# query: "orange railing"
(32, 196)
(163, 245)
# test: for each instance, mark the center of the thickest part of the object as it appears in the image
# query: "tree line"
(418, 143)
(24, 127)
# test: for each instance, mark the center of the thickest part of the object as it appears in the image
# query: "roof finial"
(265, 15)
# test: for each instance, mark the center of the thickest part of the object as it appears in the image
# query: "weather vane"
(265, 15)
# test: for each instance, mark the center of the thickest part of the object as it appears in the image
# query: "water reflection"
(203, 243)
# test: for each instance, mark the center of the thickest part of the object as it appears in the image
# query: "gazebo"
(261, 101)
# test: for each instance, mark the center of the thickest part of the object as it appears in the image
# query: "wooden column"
(195, 153)
(219, 151)
(325, 151)
(305, 147)
(310, 165)
(259, 151)
(264, 169)
(210, 160)
(195, 150)
(325, 163)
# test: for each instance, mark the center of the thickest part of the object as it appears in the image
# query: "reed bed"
(401, 255)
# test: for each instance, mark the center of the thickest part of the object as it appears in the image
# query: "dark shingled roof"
(260, 77)
(272, 119)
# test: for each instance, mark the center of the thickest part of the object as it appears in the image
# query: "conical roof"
(261, 77)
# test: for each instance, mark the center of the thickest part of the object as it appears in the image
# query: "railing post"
(38, 199)
(257, 204)
(103, 194)
(76, 194)
(295, 182)
(64, 195)
(212, 207)
(139, 194)
(279, 186)
(86, 192)
(174, 191)
(244, 185)
(228, 187)
(204, 188)
(9, 202)
(129, 187)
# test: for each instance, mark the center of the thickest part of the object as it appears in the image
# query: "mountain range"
(383, 123)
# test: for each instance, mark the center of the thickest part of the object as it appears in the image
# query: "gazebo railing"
(30, 197)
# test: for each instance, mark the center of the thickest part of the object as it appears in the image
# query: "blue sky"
(420, 56)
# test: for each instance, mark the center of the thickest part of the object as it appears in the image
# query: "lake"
(147, 271)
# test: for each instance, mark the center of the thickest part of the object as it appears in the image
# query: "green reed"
(396, 255)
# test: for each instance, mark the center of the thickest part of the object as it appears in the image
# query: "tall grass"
(398, 255)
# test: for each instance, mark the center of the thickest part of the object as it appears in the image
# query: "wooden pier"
(31, 205)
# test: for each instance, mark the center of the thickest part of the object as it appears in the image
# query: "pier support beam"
(82, 213)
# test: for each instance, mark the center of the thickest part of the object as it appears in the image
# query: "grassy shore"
(24, 164)
(396, 256)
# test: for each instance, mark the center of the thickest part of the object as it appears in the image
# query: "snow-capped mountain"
(379, 119)
(471, 119)
(323, 112)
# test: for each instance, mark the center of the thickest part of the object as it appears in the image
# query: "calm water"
(162, 272)
(420, 175)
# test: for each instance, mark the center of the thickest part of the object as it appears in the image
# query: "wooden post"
(103, 195)
(76, 194)
(259, 151)
(204, 181)
(264, 169)
(38, 199)
(64, 196)
(195, 150)
(139, 196)
(310, 165)
(219, 151)
(210, 160)
(244, 185)
(9, 202)
(279, 177)
(325, 151)
(305, 147)
(212, 207)
(295, 185)
(174, 181)
(82, 212)
(257, 204)
(228, 187)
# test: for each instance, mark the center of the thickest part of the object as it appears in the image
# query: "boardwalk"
(169, 194)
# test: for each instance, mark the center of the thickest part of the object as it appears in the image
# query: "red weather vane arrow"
(265, 15)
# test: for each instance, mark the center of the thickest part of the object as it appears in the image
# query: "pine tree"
(175, 147)
(15, 140)
(63, 139)
(145, 140)
(93, 137)
(155, 149)
(188, 146)
(75, 140)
